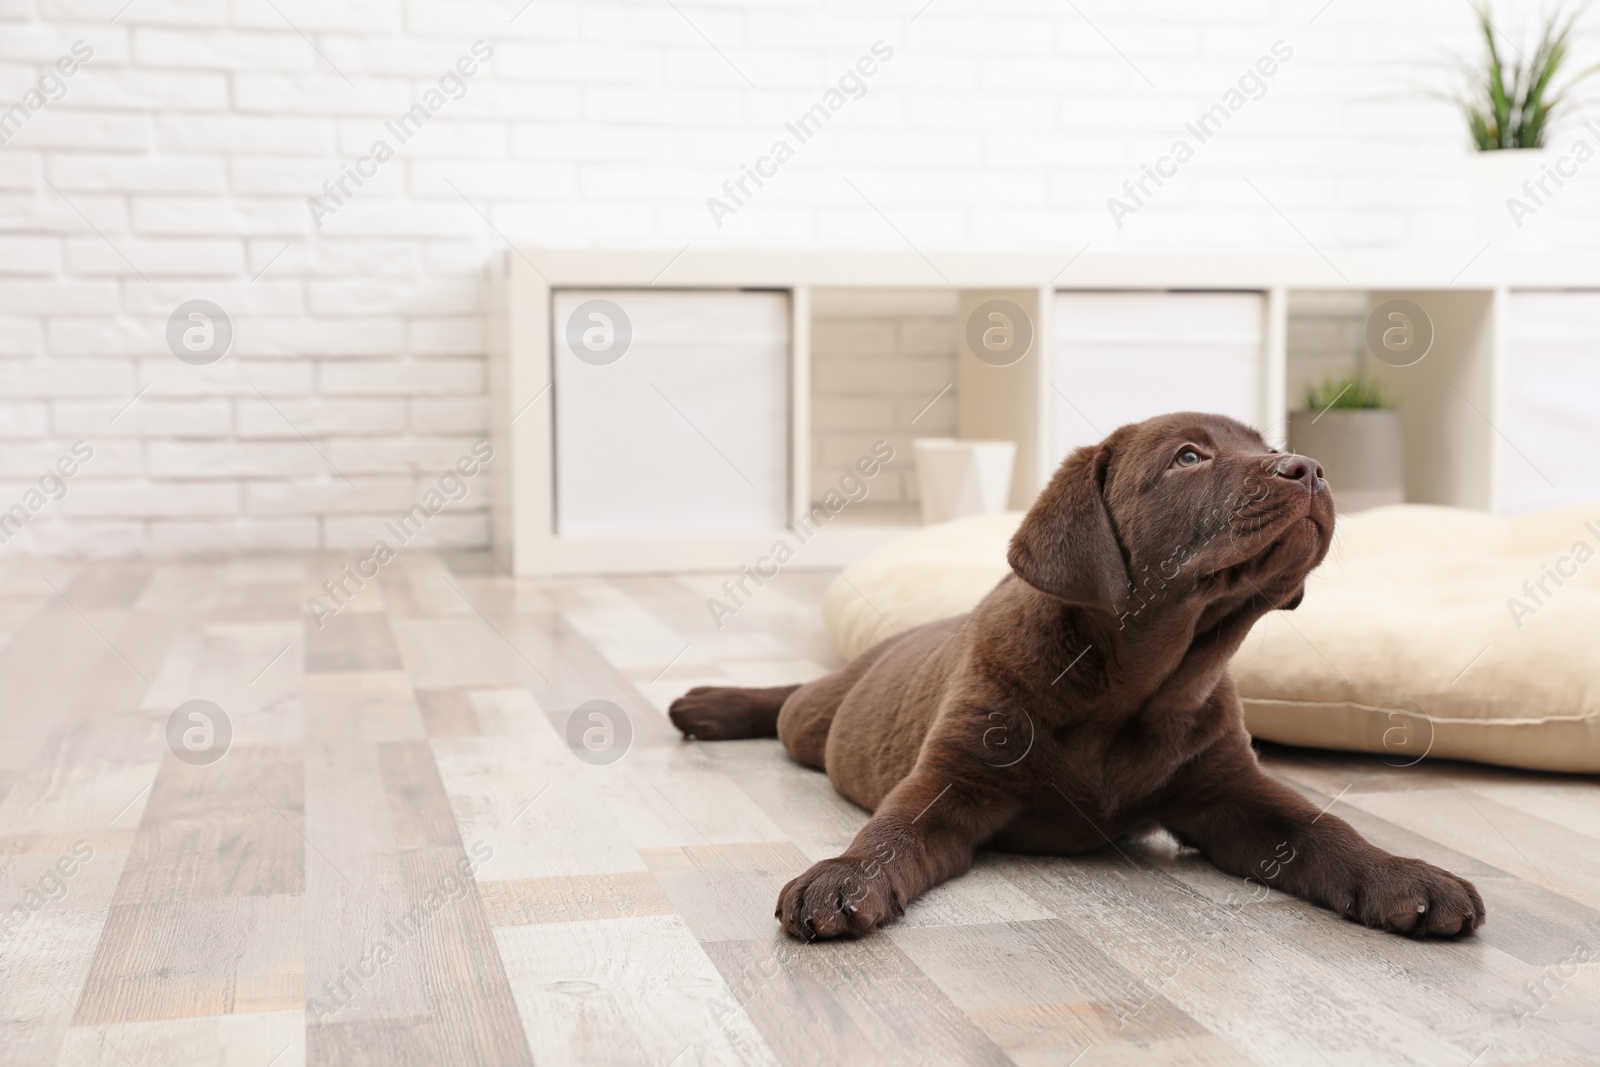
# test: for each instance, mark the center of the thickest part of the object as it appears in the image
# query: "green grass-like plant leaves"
(1510, 101)
(1351, 392)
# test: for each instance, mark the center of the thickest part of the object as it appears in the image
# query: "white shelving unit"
(692, 450)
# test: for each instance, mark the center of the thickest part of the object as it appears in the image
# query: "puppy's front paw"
(1411, 897)
(841, 897)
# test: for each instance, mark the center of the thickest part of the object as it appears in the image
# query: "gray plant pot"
(1360, 451)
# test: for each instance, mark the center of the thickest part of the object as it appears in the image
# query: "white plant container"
(959, 478)
(1497, 177)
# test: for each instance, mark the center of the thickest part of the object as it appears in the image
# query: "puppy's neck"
(1171, 651)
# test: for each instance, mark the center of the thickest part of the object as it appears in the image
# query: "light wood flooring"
(400, 859)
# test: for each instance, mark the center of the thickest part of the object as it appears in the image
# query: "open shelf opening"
(1430, 352)
(883, 368)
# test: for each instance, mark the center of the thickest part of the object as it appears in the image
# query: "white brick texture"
(879, 360)
(1327, 337)
(176, 164)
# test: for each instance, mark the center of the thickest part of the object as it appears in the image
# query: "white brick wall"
(178, 164)
(879, 359)
(1327, 338)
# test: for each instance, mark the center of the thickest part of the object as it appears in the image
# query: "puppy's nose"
(1302, 469)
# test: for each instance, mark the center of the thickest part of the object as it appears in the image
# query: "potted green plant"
(1352, 428)
(1511, 99)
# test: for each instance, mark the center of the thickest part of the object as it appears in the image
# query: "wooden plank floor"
(401, 858)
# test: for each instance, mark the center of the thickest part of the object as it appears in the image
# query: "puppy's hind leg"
(725, 713)
(729, 713)
(808, 714)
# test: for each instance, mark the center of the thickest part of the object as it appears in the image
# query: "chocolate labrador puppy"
(1087, 698)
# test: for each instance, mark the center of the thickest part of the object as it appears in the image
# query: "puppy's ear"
(1294, 601)
(1066, 545)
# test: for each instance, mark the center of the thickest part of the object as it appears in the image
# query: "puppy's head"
(1176, 505)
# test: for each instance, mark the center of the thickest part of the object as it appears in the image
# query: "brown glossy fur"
(1087, 697)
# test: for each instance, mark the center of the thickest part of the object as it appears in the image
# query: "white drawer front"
(1550, 402)
(1120, 357)
(688, 431)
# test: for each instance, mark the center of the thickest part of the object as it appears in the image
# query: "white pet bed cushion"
(1424, 633)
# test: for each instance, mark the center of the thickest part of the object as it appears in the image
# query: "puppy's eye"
(1187, 458)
